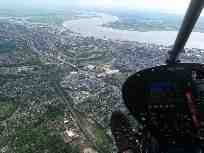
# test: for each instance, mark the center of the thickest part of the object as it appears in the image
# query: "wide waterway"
(93, 27)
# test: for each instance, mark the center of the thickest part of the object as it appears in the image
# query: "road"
(85, 126)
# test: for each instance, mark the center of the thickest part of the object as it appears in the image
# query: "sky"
(167, 5)
(170, 5)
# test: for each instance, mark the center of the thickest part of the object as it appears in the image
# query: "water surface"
(93, 27)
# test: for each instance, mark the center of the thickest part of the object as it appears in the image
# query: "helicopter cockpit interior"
(169, 100)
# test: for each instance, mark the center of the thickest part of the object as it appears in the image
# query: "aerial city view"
(62, 66)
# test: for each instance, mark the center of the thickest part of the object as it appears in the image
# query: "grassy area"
(7, 109)
(39, 140)
(55, 112)
(1, 129)
(100, 136)
(102, 140)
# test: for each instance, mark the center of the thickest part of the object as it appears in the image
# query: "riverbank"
(92, 27)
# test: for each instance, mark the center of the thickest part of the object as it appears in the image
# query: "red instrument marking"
(192, 106)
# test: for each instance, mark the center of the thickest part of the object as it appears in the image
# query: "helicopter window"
(63, 64)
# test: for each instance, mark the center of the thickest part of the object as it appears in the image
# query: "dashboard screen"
(161, 92)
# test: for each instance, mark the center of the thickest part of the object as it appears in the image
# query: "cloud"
(168, 5)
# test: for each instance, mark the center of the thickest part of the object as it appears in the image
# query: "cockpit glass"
(63, 64)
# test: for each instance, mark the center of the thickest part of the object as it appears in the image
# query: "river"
(93, 27)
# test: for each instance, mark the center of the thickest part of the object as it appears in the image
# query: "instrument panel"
(169, 101)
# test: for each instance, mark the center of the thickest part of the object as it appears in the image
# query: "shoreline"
(93, 27)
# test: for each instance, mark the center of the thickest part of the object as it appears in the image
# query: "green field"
(38, 140)
(7, 109)
(102, 140)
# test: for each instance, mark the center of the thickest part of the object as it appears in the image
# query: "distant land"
(107, 26)
(150, 21)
